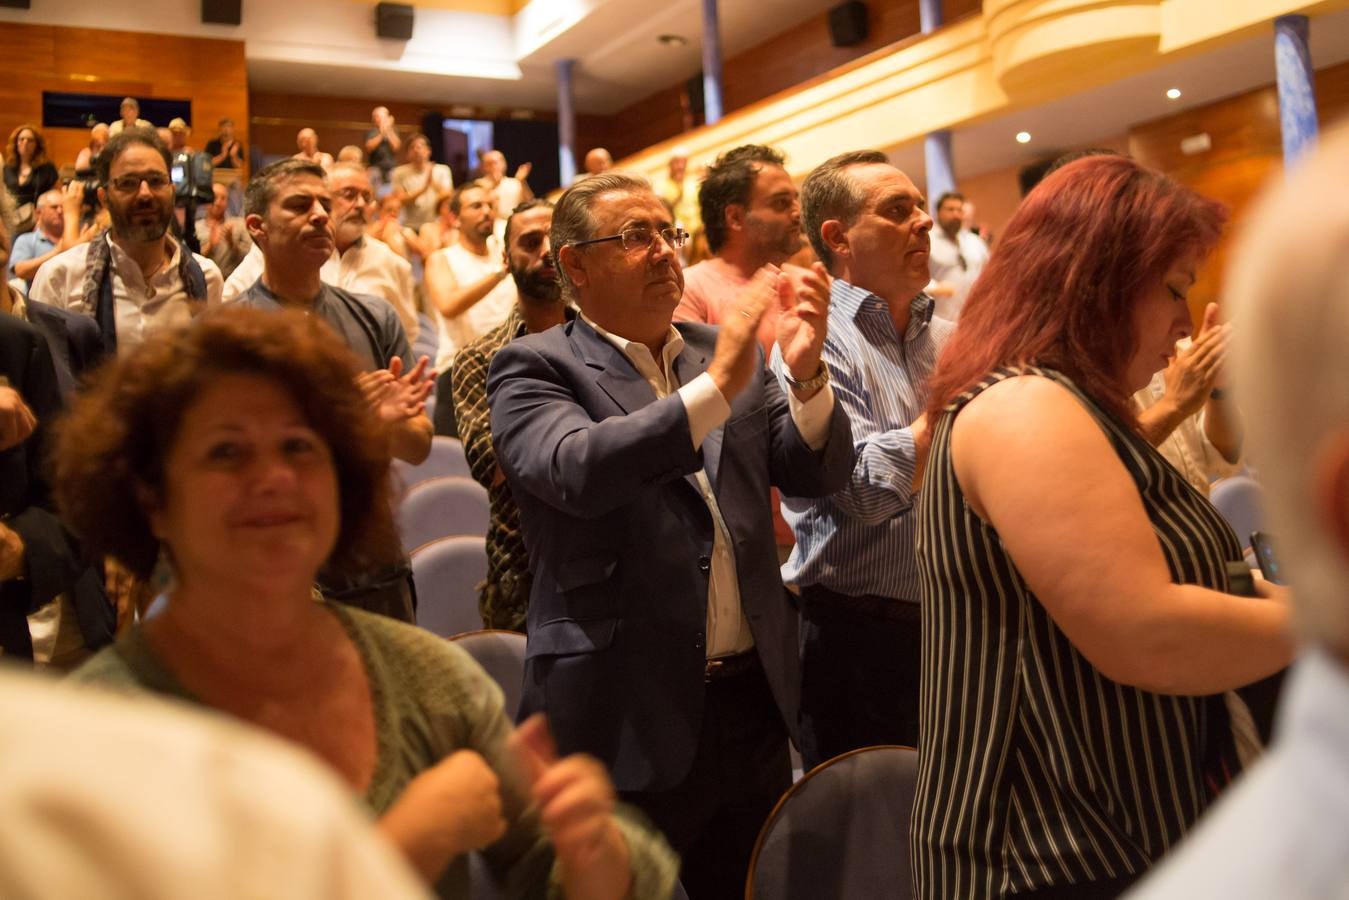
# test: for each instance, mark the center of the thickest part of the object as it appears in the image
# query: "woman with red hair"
(1077, 634)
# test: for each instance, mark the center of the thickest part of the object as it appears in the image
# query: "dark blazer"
(54, 562)
(74, 341)
(620, 540)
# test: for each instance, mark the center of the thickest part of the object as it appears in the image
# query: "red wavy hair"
(1060, 287)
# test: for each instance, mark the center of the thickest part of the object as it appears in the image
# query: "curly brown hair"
(111, 447)
(39, 154)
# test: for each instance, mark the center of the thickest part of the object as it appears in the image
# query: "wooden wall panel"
(795, 56)
(276, 118)
(209, 73)
(1247, 151)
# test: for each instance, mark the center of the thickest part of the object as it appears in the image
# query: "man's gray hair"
(829, 192)
(1288, 294)
(348, 168)
(572, 220)
(262, 187)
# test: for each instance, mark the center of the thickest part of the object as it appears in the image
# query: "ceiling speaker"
(848, 23)
(394, 20)
(222, 12)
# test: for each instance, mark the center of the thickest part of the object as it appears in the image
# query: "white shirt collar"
(639, 353)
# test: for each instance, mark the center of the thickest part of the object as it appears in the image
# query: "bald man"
(510, 191)
(307, 140)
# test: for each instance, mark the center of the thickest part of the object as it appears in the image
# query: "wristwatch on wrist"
(818, 380)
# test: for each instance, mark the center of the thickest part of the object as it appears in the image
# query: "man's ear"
(734, 216)
(835, 237)
(573, 263)
(257, 228)
(1330, 490)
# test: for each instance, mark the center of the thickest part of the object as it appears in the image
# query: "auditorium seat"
(446, 573)
(841, 832)
(446, 458)
(442, 507)
(1241, 501)
(502, 655)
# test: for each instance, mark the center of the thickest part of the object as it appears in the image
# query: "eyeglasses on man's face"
(642, 237)
(129, 184)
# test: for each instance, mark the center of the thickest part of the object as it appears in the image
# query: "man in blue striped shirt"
(853, 559)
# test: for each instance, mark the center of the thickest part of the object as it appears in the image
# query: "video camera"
(192, 175)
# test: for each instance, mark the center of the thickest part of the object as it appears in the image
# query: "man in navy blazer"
(73, 339)
(39, 558)
(661, 639)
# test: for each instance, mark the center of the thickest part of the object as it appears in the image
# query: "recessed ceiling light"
(673, 40)
(1023, 137)
(1173, 94)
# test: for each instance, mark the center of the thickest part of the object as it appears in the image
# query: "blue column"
(940, 165)
(566, 121)
(941, 175)
(1297, 100)
(711, 63)
(930, 16)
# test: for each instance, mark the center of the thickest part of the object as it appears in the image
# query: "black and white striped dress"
(1035, 770)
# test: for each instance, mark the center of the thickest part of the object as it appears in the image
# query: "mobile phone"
(1263, 546)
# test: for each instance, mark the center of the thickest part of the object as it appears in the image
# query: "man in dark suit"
(38, 558)
(74, 342)
(641, 455)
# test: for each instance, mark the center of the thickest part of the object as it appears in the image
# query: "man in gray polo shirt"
(287, 210)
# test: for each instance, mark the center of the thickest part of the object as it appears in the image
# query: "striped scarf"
(97, 286)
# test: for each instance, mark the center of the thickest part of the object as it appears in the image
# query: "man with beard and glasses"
(854, 558)
(288, 210)
(641, 455)
(467, 281)
(503, 599)
(361, 264)
(751, 214)
(138, 279)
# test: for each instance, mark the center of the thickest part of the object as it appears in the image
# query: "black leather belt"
(723, 667)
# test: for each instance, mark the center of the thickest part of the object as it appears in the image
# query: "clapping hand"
(395, 396)
(733, 360)
(1196, 370)
(803, 319)
(576, 807)
(16, 419)
(446, 811)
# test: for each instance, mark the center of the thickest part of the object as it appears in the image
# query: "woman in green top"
(244, 453)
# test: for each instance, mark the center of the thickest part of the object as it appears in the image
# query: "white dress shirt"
(728, 630)
(370, 266)
(141, 307)
(944, 262)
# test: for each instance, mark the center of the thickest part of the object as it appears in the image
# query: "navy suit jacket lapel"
(617, 376)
